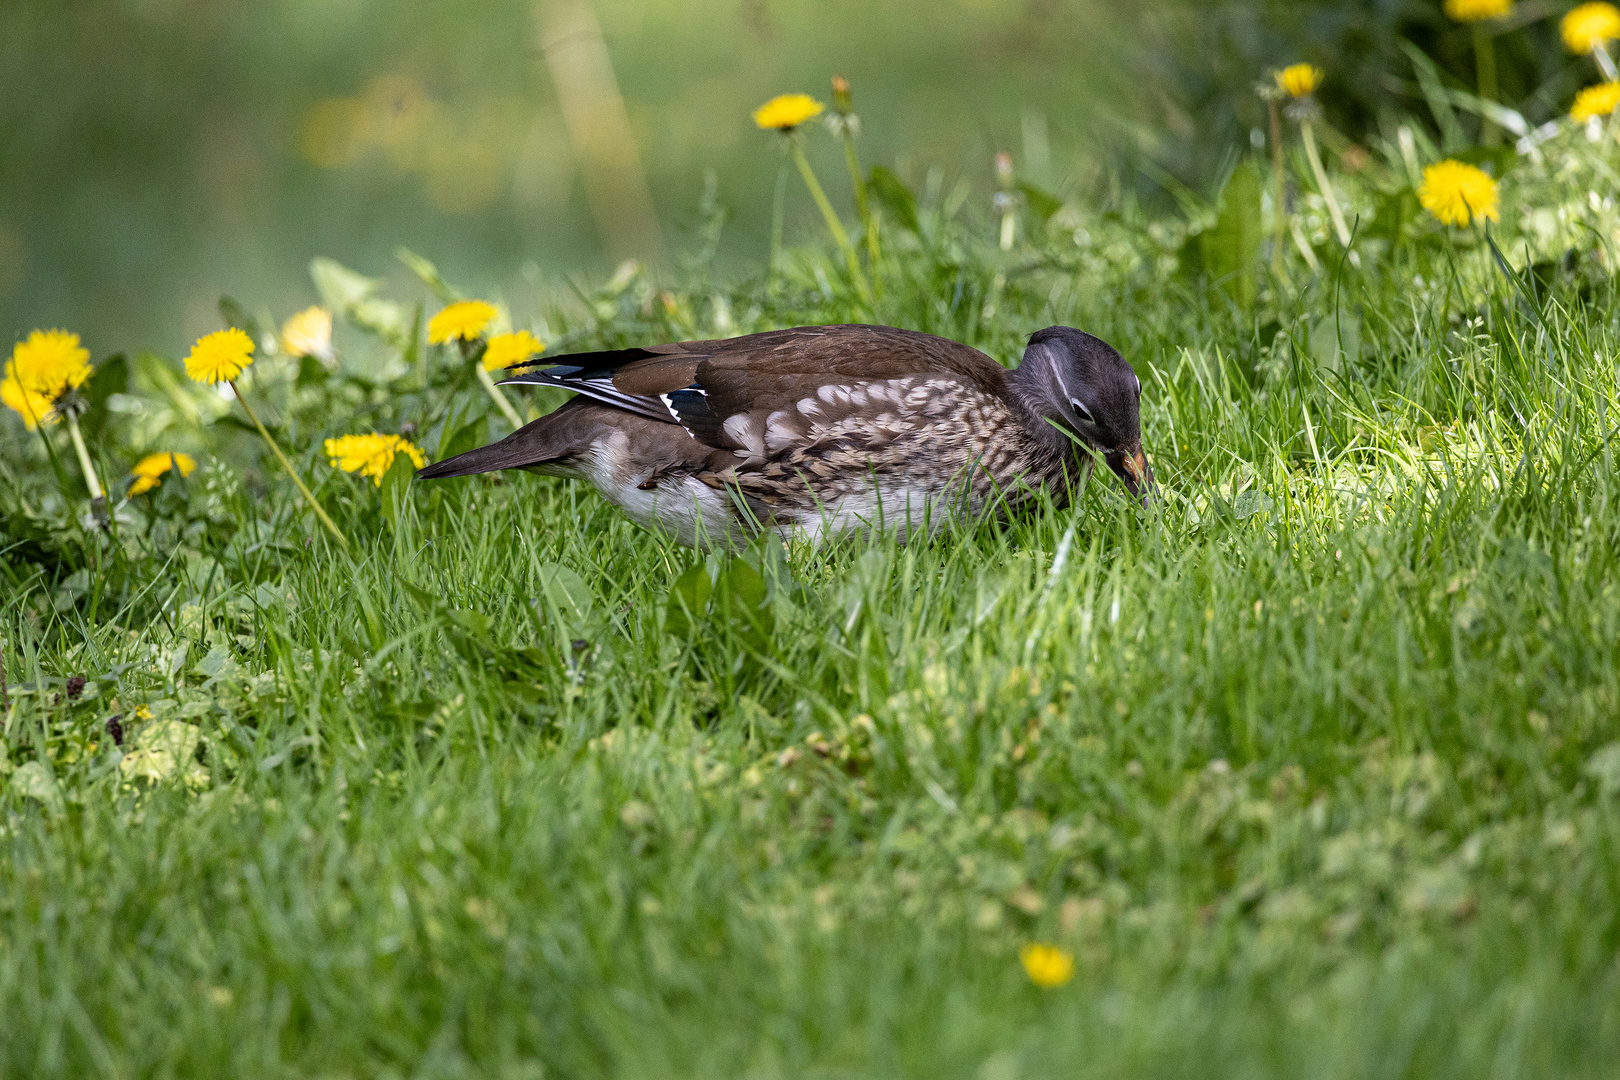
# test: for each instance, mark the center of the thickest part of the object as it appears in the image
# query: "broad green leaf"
(1043, 204)
(468, 436)
(1336, 342)
(891, 191)
(111, 377)
(428, 600)
(747, 603)
(1396, 211)
(340, 288)
(396, 484)
(1230, 250)
(32, 780)
(568, 600)
(411, 353)
(1496, 160)
(384, 318)
(474, 637)
(429, 274)
(236, 315)
(311, 372)
(1431, 82)
(688, 600)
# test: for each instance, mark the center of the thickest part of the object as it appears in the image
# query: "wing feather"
(718, 390)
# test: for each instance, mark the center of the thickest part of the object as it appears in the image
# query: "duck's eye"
(1081, 411)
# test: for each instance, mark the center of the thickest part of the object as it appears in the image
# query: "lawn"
(1313, 765)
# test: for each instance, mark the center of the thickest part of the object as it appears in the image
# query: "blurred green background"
(158, 153)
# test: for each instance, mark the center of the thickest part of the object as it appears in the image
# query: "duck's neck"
(1035, 389)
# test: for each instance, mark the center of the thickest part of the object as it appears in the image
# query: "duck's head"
(1085, 386)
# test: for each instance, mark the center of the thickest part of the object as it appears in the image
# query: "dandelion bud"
(843, 101)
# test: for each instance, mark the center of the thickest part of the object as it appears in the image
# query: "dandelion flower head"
(220, 356)
(370, 455)
(464, 319)
(1589, 26)
(1594, 101)
(787, 111)
(1047, 966)
(35, 408)
(150, 469)
(49, 362)
(308, 333)
(1478, 10)
(1299, 80)
(1459, 194)
(504, 350)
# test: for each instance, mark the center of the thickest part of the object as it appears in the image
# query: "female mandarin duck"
(822, 430)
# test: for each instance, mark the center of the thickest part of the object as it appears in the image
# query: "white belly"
(698, 515)
(905, 509)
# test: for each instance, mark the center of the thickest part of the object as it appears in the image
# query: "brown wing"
(747, 380)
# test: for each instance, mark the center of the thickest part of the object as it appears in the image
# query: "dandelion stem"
(500, 398)
(863, 206)
(1305, 248)
(1605, 62)
(1279, 189)
(776, 221)
(1309, 138)
(90, 479)
(309, 496)
(874, 250)
(51, 455)
(853, 161)
(834, 226)
(1485, 78)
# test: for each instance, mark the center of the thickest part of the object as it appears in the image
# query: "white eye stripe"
(1083, 412)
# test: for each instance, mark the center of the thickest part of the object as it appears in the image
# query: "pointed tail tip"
(436, 471)
(456, 466)
(505, 454)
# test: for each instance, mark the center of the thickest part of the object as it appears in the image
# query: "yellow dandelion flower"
(1478, 10)
(464, 319)
(1599, 100)
(1459, 194)
(50, 362)
(142, 712)
(1589, 26)
(34, 408)
(1299, 80)
(1048, 966)
(504, 350)
(370, 455)
(787, 111)
(220, 356)
(150, 469)
(308, 333)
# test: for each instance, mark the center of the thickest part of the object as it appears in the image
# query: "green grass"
(1314, 766)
